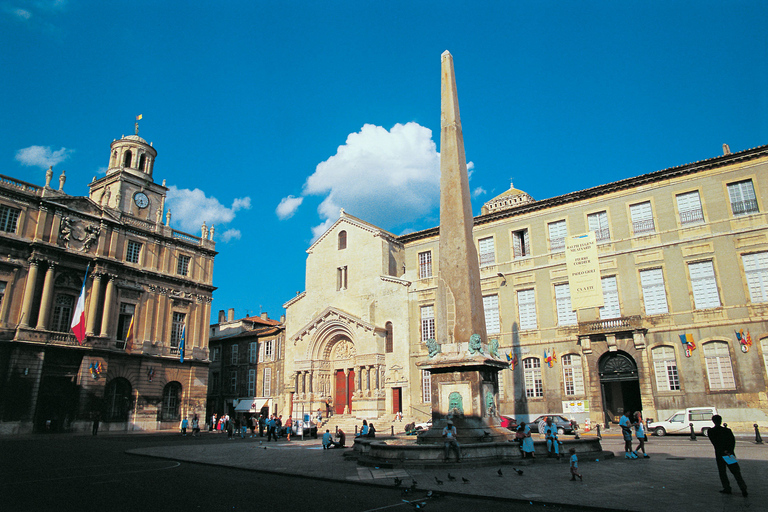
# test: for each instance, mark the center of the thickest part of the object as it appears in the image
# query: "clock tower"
(128, 187)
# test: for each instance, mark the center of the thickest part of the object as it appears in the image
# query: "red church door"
(344, 390)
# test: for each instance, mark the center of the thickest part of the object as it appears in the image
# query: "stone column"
(93, 308)
(149, 314)
(29, 294)
(106, 321)
(346, 386)
(358, 380)
(45, 304)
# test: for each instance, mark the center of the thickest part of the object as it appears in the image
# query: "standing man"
(723, 441)
(449, 439)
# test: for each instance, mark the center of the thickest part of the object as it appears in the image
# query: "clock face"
(141, 199)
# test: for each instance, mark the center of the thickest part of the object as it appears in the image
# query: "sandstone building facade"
(142, 276)
(683, 256)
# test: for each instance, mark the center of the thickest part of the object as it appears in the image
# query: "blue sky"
(269, 116)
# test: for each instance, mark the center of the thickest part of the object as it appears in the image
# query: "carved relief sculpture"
(65, 231)
(93, 235)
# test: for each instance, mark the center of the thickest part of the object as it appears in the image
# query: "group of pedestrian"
(329, 443)
(629, 424)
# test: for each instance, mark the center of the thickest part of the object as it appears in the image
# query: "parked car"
(564, 425)
(679, 423)
(509, 422)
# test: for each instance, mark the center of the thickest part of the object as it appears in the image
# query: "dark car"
(564, 425)
(509, 422)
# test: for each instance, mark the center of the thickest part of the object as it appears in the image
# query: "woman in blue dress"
(527, 445)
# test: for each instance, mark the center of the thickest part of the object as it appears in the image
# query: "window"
(342, 240)
(642, 218)
(127, 159)
(267, 382)
(565, 313)
(182, 266)
(171, 402)
(742, 196)
(142, 162)
(491, 307)
(341, 278)
(598, 222)
(426, 387)
(573, 376)
(557, 233)
(117, 400)
(62, 313)
(704, 285)
(610, 307)
(215, 382)
(665, 367)
(215, 353)
(425, 264)
(719, 370)
(177, 330)
(654, 293)
(487, 251)
(124, 320)
(389, 343)
(427, 323)
(269, 354)
(234, 354)
(253, 354)
(3, 285)
(233, 381)
(133, 251)
(526, 307)
(251, 391)
(689, 208)
(9, 217)
(534, 387)
(756, 270)
(521, 244)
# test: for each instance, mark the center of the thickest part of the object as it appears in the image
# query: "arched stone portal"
(620, 385)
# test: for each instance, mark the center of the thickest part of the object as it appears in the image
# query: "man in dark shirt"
(723, 441)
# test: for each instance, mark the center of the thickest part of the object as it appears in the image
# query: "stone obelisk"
(463, 364)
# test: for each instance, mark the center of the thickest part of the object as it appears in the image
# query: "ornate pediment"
(333, 315)
(85, 206)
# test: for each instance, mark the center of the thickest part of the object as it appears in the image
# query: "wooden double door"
(345, 386)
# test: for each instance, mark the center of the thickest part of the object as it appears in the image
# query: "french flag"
(78, 320)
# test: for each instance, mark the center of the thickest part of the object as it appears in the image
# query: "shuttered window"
(704, 285)
(526, 306)
(719, 369)
(267, 385)
(557, 233)
(689, 208)
(573, 376)
(642, 218)
(565, 313)
(425, 264)
(756, 270)
(251, 391)
(665, 368)
(654, 293)
(487, 251)
(521, 244)
(491, 307)
(610, 307)
(598, 222)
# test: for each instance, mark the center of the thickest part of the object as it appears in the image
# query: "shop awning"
(252, 404)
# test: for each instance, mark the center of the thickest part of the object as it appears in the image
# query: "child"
(574, 465)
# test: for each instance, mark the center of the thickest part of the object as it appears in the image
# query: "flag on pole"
(138, 117)
(78, 320)
(129, 335)
(181, 342)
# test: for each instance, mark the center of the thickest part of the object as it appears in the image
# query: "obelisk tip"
(445, 54)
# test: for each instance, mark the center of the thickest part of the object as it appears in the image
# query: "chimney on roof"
(222, 316)
(726, 149)
(231, 315)
(264, 315)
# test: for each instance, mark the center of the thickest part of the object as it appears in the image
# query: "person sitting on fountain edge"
(449, 439)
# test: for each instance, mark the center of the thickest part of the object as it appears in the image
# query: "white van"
(679, 423)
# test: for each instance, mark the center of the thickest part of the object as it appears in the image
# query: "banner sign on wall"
(583, 271)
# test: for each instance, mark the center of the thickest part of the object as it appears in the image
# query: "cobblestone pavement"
(680, 474)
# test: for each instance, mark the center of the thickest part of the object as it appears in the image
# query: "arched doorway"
(342, 361)
(620, 385)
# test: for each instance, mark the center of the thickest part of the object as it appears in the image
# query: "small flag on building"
(511, 359)
(129, 335)
(78, 320)
(550, 358)
(138, 117)
(688, 344)
(181, 342)
(744, 339)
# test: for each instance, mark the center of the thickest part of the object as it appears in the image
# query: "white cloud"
(386, 177)
(229, 235)
(101, 170)
(318, 230)
(22, 14)
(189, 208)
(42, 156)
(288, 206)
(478, 192)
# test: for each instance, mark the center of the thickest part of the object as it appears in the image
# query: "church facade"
(683, 261)
(143, 363)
